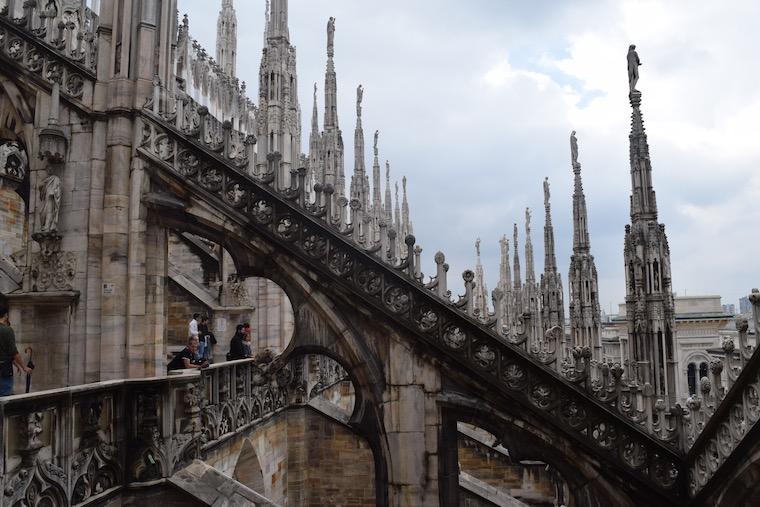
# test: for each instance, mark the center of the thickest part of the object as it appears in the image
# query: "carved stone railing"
(309, 232)
(84, 444)
(55, 47)
(69, 29)
(720, 421)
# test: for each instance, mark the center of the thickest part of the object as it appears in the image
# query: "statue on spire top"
(574, 148)
(377, 134)
(330, 33)
(633, 67)
(547, 194)
(359, 97)
(477, 247)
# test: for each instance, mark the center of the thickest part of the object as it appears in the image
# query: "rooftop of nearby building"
(689, 308)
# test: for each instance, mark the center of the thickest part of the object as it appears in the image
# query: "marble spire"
(277, 21)
(530, 272)
(505, 280)
(278, 147)
(226, 38)
(643, 201)
(585, 311)
(650, 306)
(581, 239)
(358, 177)
(405, 218)
(316, 174)
(388, 202)
(332, 138)
(552, 293)
(480, 288)
(550, 257)
(505, 272)
(518, 280)
(397, 216)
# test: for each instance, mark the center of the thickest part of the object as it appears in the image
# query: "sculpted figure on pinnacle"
(359, 97)
(331, 33)
(574, 148)
(633, 67)
(377, 134)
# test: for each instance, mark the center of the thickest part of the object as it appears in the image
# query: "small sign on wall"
(108, 289)
(221, 325)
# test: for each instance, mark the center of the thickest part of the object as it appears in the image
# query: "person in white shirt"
(192, 331)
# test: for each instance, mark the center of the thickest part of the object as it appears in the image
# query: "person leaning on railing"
(186, 359)
(8, 355)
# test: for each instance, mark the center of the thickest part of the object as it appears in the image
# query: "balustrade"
(81, 444)
(68, 28)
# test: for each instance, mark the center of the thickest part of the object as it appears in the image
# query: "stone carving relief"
(235, 292)
(13, 163)
(52, 270)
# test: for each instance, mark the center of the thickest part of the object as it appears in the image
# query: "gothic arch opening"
(325, 385)
(203, 278)
(489, 471)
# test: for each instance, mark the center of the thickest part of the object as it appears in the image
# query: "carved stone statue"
(574, 148)
(377, 134)
(477, 246)
(330, 34)
(359, 97)
(547, 194)
(527, 219)
(50, 203)
(633, 67)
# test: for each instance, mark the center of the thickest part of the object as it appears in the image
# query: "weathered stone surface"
(213, 488)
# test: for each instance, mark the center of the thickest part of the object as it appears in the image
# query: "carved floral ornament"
(288, 225)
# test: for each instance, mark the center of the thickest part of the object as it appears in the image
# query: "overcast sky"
(475, 101)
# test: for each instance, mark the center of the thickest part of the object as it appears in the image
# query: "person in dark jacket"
(237, 345)
(186, 359)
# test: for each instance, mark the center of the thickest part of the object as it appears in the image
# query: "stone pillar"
(412, 423)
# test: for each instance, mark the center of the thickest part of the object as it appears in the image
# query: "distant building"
(701, 323)
(729, 309)
(744, 305)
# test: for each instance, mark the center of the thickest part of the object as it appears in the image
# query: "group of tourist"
(199, 352)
